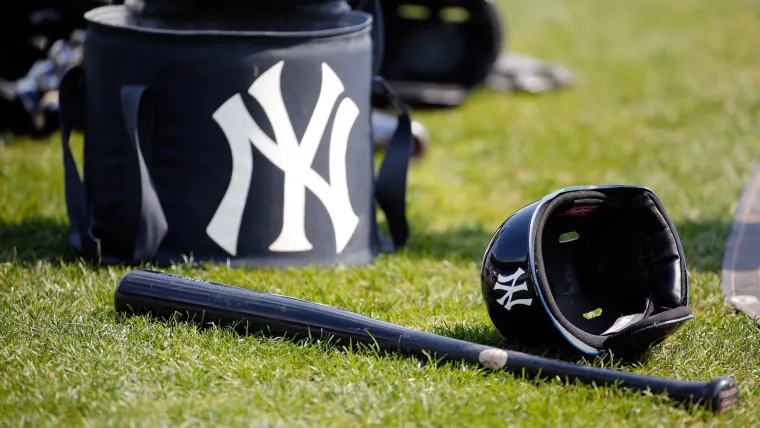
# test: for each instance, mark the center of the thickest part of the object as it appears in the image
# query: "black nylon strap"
(137, 109)
(138, 116)
(390, 186)
(378, 35)
(374, 8)
(71, 96)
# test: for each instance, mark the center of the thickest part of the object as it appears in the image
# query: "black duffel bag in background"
(242, 135)
(437, 51)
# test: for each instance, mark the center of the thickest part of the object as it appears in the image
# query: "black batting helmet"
(598, 267)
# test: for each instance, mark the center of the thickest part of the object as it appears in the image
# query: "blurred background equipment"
(37, 92)
(516, 72)
(39, 44)
(433, 53)
(437, 51)
(741, 259)
(384, 125)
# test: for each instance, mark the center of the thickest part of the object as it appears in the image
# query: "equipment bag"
(239, 137)
(203, 9)
(437, 51)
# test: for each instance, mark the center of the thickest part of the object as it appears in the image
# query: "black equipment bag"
(242, 137)
(203, 9)
(437, 51)
(200, 9)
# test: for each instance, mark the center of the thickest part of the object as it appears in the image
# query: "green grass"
(668, 97)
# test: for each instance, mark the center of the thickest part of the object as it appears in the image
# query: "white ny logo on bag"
(506, 300)
(294, 158)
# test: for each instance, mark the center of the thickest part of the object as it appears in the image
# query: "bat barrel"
(250, 311)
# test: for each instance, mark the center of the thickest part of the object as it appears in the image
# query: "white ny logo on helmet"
(294, 158)
(506, 300)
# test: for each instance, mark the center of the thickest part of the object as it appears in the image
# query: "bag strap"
(137, 110)
(71, 110)
(378, 35)
(390, 185)
(374, 8)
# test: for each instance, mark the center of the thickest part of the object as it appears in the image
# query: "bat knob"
(722, 393)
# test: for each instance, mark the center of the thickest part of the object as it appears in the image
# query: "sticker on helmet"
(506, 300)
(580, 210)
(623, 322)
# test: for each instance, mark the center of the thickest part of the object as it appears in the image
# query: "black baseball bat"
(165, 295)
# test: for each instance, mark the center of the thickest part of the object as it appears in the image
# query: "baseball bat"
(165, 295)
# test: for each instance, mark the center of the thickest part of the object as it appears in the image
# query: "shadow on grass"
(488, 335)
(35, 239)
(479, 334)
(339, 332)
(465, 243)
(704, 243)
(46, 239)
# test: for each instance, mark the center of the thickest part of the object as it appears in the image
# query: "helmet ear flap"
(648, 332)
(605, 266)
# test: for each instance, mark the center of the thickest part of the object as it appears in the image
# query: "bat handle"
(719, 393)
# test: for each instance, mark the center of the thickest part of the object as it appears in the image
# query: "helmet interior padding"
(609, 263)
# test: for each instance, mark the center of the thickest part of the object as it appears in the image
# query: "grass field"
(668, 97)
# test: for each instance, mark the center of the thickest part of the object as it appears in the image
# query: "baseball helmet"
(598, 267)
(437, 51)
